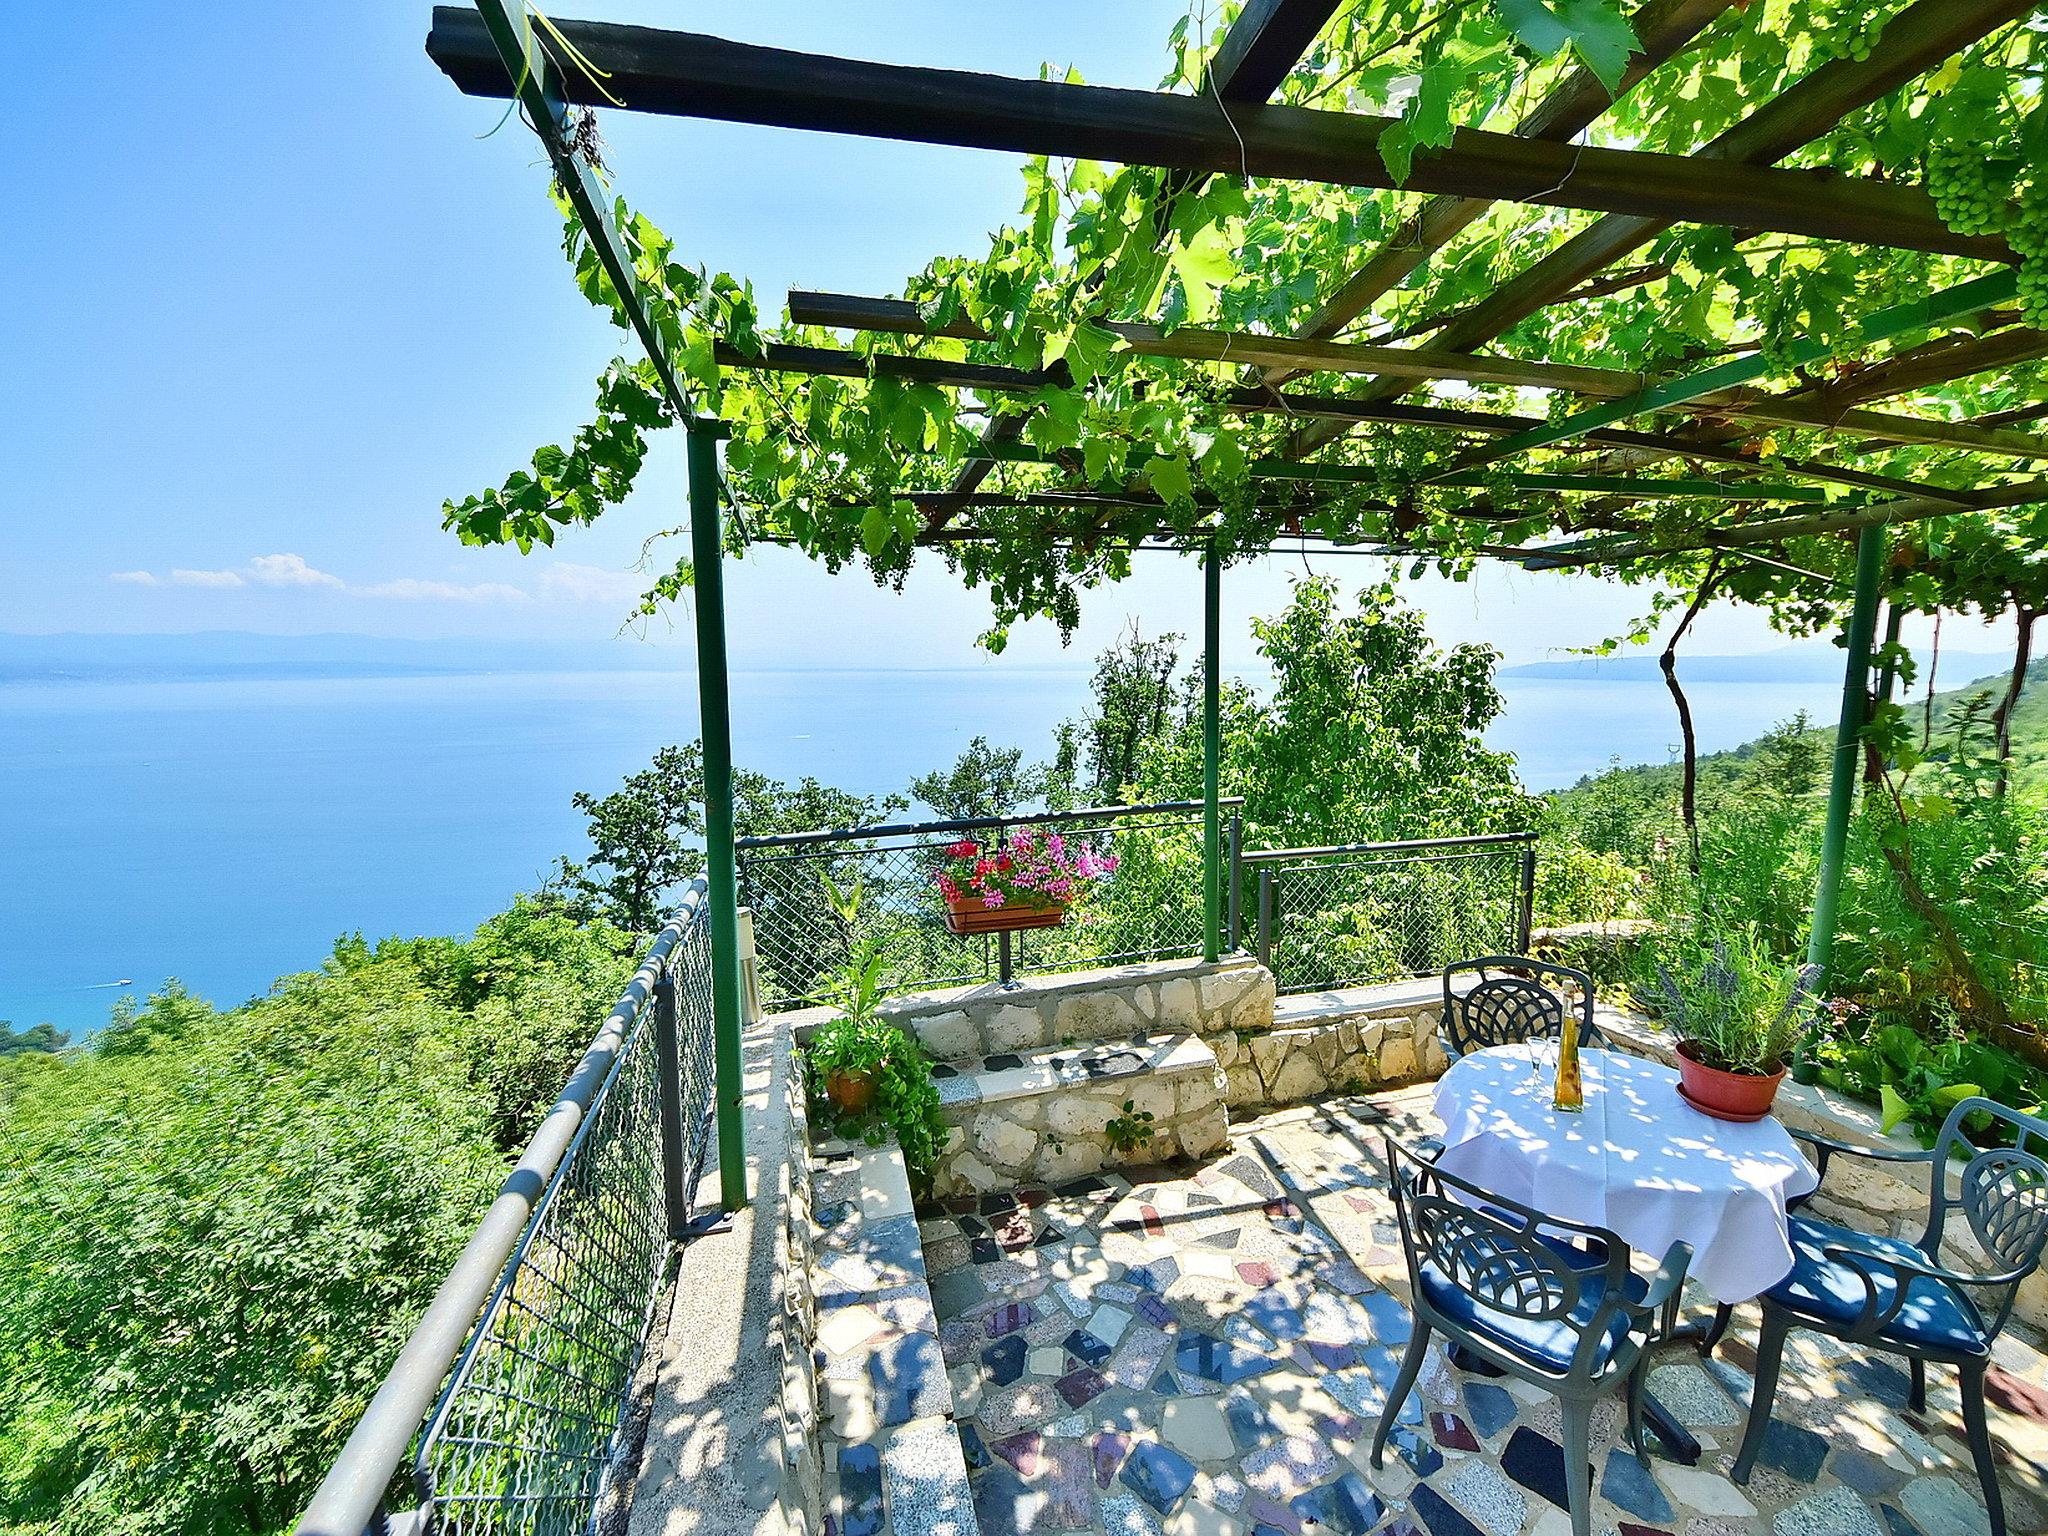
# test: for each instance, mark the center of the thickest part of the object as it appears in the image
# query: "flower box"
(967, 914)
(1026, 880)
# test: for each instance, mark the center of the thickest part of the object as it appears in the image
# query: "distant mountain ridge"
(1790, 664)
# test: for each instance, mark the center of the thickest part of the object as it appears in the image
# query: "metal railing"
(1367, 912)
(1150, 909)
(507, 1403)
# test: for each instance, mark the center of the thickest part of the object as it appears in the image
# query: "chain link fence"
(527, 1430)
(529, 1421)
(1337, 917)
(1149, 909)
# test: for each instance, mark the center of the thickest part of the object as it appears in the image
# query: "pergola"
(1703, 410)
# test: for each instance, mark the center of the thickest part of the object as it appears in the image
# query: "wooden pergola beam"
(1777, 530)
(1916, 40)
(692, 75)
(1663, 27)
(1196, 344)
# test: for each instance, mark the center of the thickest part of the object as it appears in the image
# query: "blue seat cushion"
(1548, 1343)
(1936, 1316)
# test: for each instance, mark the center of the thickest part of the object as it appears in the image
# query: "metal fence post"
(707, 556)
(1525, 919)
(1266, 916)
(1212, 754)
(668, 1059)
(1236, 892)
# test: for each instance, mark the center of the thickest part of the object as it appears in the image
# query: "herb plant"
(1130, 1130)
(1733, 1002)
(859, 1043)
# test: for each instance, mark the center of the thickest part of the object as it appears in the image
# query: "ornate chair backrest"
(1505, 1255)
(1515, 1006)
(2002, 1192)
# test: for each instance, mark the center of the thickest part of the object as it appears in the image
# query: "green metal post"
(715, 708)
(1870, 550)
(1212, 755)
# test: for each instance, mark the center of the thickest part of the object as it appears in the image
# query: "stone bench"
(1047, 1116)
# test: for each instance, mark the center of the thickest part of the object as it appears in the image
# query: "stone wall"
(1367, 1037)
(1113, 1003)
(1077, 1123)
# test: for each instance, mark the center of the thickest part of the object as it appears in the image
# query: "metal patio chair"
(1509, 1008)
(1897, 1296)
(1551, 1302)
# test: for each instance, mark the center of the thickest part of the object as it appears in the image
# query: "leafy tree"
(647, 836)
(983, 781)
(1371, 730)
(217, 1229)
(37, 1037)
(1789, 759)
(1134, 703)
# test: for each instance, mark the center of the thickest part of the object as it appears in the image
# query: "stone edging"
(891, 1451)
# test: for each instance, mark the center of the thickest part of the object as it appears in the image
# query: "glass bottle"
(1570, 1096)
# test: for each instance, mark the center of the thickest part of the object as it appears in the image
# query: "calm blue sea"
(227, 832)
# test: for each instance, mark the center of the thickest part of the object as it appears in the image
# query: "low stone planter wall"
(1060, 1115)
(1167, 996)
(1336, 1042)
(1887, 1199)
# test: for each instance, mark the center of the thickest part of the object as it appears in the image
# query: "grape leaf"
(1594, 29)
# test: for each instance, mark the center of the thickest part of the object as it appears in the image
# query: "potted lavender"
(1738, 1014)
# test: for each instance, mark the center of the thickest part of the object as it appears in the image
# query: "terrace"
(1156, 1284)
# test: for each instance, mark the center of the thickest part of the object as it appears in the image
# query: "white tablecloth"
(1638, 1160)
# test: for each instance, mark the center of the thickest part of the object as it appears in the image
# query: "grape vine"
(847, 468)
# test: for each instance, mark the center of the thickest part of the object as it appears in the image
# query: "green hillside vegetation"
(1735, 765)
(1939, 982)
(217, 1228)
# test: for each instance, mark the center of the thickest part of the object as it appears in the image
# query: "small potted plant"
(1738, 1014)
(1026, 881)
(868, 1076)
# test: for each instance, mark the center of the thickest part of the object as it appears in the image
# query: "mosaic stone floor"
(1176, 1352)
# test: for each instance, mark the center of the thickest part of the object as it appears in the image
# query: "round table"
(1637, 1160)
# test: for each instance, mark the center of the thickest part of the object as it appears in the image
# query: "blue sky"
(273, 294)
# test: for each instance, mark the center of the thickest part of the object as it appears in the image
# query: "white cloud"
(412, 589)
(574, 582)
(592, 584)
(290, 571)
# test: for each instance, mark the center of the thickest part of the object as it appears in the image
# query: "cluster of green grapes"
(2029, 237)
(1969, 198)
(1851, 33)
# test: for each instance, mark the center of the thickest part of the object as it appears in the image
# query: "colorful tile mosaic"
(1208, 1350)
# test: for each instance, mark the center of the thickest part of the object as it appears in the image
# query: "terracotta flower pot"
(1725, 1095)
(851, 1093)
(966, 914)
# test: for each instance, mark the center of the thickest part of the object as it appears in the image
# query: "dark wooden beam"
(1777, 530)
(1916, 40)
(1264, 43)
(687, 74)
(1198, 344)
(1663, 27)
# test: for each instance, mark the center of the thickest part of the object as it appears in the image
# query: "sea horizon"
(227, 830)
